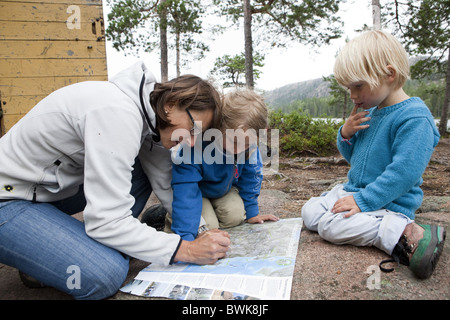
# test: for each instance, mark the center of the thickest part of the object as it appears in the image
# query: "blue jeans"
(45, 242)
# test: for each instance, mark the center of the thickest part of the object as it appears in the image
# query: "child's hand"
(353, 123)
(346, 204)
(262, 218)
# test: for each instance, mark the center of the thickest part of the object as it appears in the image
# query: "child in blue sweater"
(388, 146)
(220, 185)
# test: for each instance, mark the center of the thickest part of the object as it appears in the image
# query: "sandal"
(421, 255)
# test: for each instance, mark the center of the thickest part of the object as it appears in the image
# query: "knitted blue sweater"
(388, 158)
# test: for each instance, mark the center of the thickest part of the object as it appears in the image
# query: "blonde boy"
(388, 146)
(223, 193)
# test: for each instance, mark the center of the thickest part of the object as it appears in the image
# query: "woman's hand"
(207, 248)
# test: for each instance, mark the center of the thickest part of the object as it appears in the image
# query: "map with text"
(259, 265)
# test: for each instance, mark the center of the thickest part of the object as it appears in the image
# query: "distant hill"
(316, 88)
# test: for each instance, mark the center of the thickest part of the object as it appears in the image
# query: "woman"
(101, 148)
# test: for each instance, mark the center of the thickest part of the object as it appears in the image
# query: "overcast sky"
(282, 66)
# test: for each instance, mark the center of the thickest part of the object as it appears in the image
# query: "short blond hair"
(366, 57)
(244, 109)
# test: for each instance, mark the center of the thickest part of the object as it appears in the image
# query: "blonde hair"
(244, 109)
(366, 58)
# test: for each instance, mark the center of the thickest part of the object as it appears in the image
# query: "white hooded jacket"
(90, 133)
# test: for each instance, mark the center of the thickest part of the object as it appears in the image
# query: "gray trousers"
(381, 228)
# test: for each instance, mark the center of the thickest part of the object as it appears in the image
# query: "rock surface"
(323, 271)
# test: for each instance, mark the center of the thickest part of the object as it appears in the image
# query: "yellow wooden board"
(78, 2)
(38, 86)
(51, 68)
(17, 30)
(46, 45)
(19, 105)
(52, 49)
(19, 95)
(48, 12)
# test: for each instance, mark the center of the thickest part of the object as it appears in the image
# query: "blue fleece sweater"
(191, 182)
(388, 159)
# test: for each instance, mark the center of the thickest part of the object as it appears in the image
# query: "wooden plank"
(50, 68)
(16, 30)
(68, 2)
(40, 86)
(48, 12)
(17, 105)
(46, 45)
(52, 49)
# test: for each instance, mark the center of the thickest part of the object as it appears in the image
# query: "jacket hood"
(129, 81)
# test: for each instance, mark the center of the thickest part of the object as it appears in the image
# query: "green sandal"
(424, 256)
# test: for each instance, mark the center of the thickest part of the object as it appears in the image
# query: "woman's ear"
(168, 108)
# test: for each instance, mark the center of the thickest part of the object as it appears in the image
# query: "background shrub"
(301, 135)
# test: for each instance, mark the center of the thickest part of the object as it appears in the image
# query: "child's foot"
(420, 247)
(412, 234)
(426, 253)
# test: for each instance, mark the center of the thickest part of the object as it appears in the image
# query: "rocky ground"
(327, 271)
(324, 270)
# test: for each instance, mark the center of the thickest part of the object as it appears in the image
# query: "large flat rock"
(323, 270)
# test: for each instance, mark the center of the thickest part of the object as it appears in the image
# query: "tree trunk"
(376, 14)
(248, 45)
(163, 44)
(177, 48)
(344, 111)
(444, 113)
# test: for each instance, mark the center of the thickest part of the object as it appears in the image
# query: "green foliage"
(339, 96)
(300, 134)
(125, 19)
(134, 25)
(425, 30)
(185, 21)
(280, 22)
(431, 92)
(228, 68)
(424, 27)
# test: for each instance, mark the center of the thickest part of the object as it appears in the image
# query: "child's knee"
(307, 216)
(311, 214)
(230, 210)
(330, 228)
(209, 215)
(234, 217)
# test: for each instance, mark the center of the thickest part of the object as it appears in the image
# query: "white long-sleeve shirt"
(90, 133)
